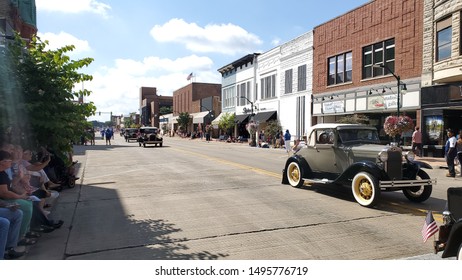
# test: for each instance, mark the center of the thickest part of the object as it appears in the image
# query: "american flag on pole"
(429, 228)
(189, 76)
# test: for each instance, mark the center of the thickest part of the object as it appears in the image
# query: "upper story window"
(301, 85)
(243, 89)
(340, 69)
(268, 87)
(288, 81)
(382, 52)
(443, 39)
(229, 97)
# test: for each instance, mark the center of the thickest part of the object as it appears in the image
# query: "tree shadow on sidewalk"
(103, 228)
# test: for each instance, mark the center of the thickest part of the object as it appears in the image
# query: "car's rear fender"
(364, 166)
(304, 168)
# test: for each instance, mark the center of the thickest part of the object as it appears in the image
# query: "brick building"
(17, 16)
(200, 100)
(347, 52)
(150, 104)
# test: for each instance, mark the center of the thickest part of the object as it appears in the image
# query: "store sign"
(333, 107)
(382, 102)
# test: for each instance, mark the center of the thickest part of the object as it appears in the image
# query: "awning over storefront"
(217, 119)
(265, 116)
(173, 119)
(240, 118)
(199, 117)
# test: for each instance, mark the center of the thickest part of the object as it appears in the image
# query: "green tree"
(227, 122)
(165, 110)
(128, 122)
(183, 121)
(40, 107)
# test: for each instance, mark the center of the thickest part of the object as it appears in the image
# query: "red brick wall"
(187, 99)
(373, 22)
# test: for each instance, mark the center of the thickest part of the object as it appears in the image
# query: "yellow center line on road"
(415, 211)
(231, 163)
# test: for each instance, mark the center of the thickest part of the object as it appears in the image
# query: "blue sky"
(157, 43)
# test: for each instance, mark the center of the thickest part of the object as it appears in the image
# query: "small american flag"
(189, 76)
(429, 228)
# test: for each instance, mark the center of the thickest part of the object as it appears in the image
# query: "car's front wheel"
(419, 193)
(294, 175)
(365, 188)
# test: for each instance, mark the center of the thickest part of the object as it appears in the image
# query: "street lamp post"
(210, 111)
(251, 107)
(399, 84)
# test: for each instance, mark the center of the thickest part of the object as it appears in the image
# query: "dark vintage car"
(131, 134)
(450, 233)
(150, 135)
(351, 155)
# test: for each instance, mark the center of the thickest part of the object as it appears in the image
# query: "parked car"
(150, 135)
(450, 233)
(349, 154)
(131, 134)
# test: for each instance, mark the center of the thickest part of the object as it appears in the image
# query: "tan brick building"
(442, 72)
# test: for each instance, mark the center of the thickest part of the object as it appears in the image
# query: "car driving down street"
(348, 154)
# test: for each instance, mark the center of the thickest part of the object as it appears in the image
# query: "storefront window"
(434, 128)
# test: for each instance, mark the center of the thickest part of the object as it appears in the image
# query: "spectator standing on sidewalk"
(450, 153)
(417, 141)
(459, 150)
(287, 138)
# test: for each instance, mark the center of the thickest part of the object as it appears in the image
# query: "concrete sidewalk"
(52, 246)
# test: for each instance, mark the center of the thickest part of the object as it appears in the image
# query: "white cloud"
(74, 6)
(276, 42)
(116, 89)
(62, 39)
(224, 38)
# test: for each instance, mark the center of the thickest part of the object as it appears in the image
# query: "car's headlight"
(383, 156)
(409, 156)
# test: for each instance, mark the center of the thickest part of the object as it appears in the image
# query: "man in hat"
(450, 153)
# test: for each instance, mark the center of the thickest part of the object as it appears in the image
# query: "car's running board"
(318, 181)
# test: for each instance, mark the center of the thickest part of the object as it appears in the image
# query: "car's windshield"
(149, 130)
(362, 135)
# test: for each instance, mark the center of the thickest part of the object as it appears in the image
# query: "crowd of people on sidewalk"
(29, 187)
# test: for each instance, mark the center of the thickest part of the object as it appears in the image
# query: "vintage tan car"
(351, 155)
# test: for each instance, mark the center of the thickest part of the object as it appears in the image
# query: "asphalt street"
(113, 213)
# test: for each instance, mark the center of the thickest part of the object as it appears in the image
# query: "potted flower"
(394, 126)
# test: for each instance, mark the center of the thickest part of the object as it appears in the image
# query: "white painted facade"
(293, 108)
